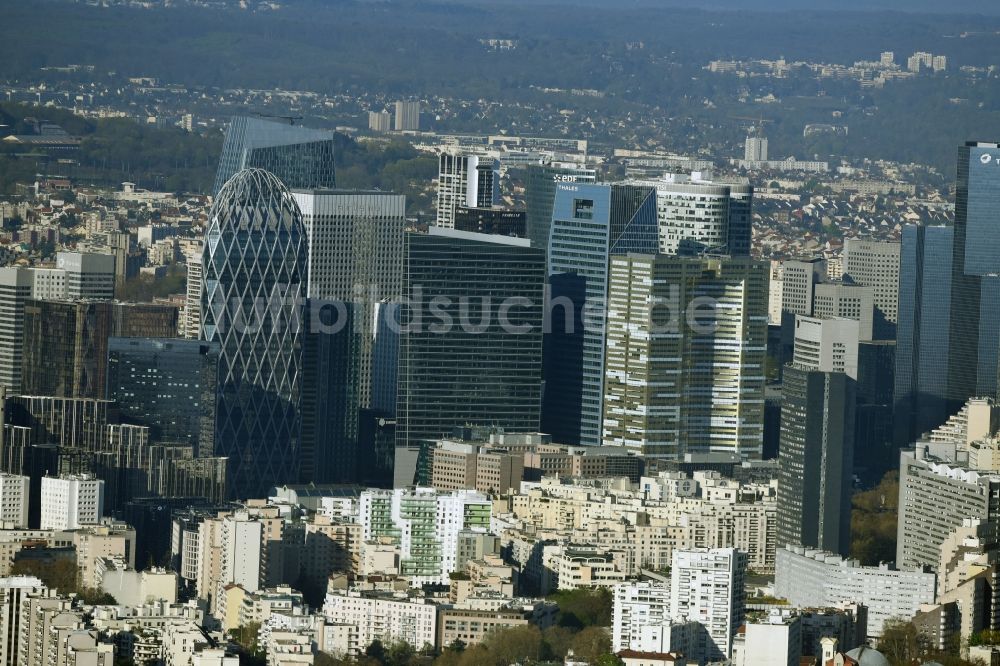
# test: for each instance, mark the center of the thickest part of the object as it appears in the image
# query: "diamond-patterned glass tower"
(252, 304)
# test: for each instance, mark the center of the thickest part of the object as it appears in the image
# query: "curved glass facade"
(252, 305)
(301, 157)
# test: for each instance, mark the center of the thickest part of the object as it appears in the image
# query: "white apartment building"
(14, 492)
(707, 587)
(774, 294)
(13, 592)
(772, 640)
(241, 546)
(68, 502)
(637, 608)
(934, 499)
(816, 579)
(191, 325)
(385, 618)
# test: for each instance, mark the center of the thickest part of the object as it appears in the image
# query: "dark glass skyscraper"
(815, 459)
(168, 385)
(471, 335)
(66, 342)
(302, 158)
(252, 306)
(922, 331)
(590, 223)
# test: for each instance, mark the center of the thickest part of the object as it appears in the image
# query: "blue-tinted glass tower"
(590, 223)
(923, 333)
(302, 158)
(252, 306)
(975, 266)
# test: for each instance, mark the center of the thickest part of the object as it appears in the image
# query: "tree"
(609, 660)
(247, 636)
(873, 522)
(557, 641)
(901, 642)
(591, 643)
(144, 288)
(584, 608)
(376, 651)
(514, 644)
(58, 573)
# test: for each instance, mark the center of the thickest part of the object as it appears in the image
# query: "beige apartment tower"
(684, 368)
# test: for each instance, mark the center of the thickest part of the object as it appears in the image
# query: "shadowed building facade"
(168, 385)
(471, 335)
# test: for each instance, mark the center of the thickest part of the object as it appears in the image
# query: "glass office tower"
(168, 385)
(540, 191)
(302, 158)
(922, 331)
(590, 223)
(252, 302)
(470, 343)
(975, 336)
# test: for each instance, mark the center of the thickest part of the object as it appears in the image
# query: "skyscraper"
(755, 148)
(471, 335)
(816, 454)
(355, 256)
(540, 191)
(686, 344)
(464, 180)
(192, 302)
(697, 214)
(799, 278)
(300, 157)
(255, 284)
(77, 275)
(15, 290)
(590, 224)
(975, 287)
(87, 275)
(875, 264)
(850, 301)
(355, 262)
(66, 342)
(168, 385)
(379, 121)
(923, 332)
